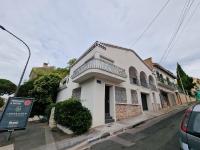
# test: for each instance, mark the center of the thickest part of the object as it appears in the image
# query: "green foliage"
(26, 89)
(187, 81)
(73, 115)
(1, 102)
(7, 87)
(62, 72)
(45, 92)
(71, 62)
(45, 87)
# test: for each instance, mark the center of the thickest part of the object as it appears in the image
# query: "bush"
(1, 102)
(71, 114)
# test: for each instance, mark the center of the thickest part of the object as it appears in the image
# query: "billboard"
(16, 113)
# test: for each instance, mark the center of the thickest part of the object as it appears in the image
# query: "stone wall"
(124, 111)
(182, 98)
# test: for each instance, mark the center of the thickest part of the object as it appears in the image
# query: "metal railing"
(167, 84)
(152, 87)
(100, 64)
(144, 84)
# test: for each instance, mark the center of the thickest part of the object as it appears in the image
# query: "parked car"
(190, 129)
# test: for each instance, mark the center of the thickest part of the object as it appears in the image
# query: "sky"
(57, 30)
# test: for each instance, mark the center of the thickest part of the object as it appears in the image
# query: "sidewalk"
(39, 136)
(119, 126)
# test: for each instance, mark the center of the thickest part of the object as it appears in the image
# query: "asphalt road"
(152, 135)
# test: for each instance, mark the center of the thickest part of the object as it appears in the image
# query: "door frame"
(107, 99)
(144, 102)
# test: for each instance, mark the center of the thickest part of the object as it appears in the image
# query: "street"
(152, 135)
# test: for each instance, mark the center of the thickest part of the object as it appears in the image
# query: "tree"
(45, 92)
(62, 72)
(71, 62)
(7, 87)
(1, 102)
(187, 81)
(26, 89)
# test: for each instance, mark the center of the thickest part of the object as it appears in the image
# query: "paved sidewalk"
(38, 136)
(120, 126)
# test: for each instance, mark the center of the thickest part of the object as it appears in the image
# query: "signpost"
(15, 115)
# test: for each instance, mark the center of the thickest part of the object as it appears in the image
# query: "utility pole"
(29, 51)
(182, 85)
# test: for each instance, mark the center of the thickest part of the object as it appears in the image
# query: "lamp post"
(29, 51)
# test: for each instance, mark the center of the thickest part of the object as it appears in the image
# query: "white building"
(112, 82)
(166, 83)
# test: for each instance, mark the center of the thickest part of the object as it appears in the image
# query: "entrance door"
(107, 100)
(144, 101)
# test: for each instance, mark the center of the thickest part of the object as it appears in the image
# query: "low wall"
(124, 111)
(182, 98)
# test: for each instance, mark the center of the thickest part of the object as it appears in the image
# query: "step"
(108, 117)
(109, 120)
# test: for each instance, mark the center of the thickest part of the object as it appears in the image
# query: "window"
(134, 97)
(143, 79)
(76, 93)
(120, 95)
(133, 75)
(194, 127)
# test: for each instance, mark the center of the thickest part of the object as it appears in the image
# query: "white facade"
(102, 75)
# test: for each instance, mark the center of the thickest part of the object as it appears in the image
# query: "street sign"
(16, 113)
(198, 95)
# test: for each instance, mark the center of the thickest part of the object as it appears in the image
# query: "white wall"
(93, 94)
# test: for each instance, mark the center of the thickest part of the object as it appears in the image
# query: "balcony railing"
(144, 84)
(100, 64)
(152, 87)
(166, 84)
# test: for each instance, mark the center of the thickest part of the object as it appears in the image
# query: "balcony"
(166, 84)
(144, 84)
(153, 87)
(99, 68)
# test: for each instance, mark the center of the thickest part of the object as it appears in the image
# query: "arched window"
(133, 75)
(152, 83)
(143, 79)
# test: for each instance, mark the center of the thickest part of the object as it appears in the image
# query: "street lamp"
(29, 51)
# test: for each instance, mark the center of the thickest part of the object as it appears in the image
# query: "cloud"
(59, 30)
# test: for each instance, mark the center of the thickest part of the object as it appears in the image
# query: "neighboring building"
(37, 71)
(197, 86)
(112, 82)
(166, 82)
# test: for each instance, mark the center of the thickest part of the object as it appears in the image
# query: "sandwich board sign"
(16, 114)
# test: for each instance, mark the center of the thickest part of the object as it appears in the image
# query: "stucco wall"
(93, 94)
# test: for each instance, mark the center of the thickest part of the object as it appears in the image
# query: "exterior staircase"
(108, 118)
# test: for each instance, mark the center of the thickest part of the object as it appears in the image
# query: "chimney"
(45, 65)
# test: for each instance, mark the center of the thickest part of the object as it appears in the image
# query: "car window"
(194, 124)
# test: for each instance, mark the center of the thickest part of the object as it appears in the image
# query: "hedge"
(71, 114)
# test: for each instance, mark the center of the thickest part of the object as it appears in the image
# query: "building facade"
(112, 82)
(166, 82)
(37, 71)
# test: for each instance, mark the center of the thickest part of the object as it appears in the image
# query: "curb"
(108, 134)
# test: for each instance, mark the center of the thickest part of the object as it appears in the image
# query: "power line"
(184, 13)
(150, 24)
(180, 21)
(184, 26)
